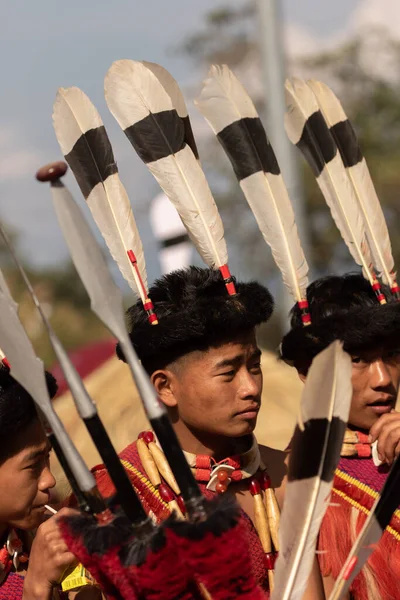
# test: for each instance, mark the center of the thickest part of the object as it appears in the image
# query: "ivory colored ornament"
(148, 462)
(272, 508)
(163, 467)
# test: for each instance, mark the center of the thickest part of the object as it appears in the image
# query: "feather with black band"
(173, 90)
(86, 147)
(146, 113)
(307, 129)
(229, 110)
(315, 453)
(357, 170)
(377, 520)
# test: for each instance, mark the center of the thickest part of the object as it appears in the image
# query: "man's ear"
(164, 383)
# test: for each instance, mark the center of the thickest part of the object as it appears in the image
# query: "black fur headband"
(194, 313)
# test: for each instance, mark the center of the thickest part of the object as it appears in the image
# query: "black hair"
(344, 308)
(195, 312)
(17, 409)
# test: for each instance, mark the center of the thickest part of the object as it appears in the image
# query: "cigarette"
(50, 509)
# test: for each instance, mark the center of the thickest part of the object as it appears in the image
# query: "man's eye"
(256, 367)
(229, 373)
(356, 360)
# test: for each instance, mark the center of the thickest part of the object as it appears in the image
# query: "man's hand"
(387, 431)
(48, 559)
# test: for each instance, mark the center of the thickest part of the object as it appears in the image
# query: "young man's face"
(219, 391)
(375, 379)
(25, 479)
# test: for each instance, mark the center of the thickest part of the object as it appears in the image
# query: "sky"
(49, 44)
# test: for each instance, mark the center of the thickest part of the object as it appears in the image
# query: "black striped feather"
(307, 129)
(354, 162)
(146, 113)
(173, 90)
(233, 117)
(315, 453)
(86, 147)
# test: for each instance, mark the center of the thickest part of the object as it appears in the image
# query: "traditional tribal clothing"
(356, 486)
(153, 503)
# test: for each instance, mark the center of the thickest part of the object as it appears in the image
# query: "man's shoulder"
(129, 457)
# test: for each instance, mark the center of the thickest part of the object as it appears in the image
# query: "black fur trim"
(194, 312)
(99, 539)
(346, 309)
(223, 515)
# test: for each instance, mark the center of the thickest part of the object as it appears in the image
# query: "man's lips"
(382, 405)
(249, 412)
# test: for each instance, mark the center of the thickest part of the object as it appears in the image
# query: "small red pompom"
(141, 435)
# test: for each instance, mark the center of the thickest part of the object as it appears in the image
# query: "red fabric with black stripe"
(150, 501)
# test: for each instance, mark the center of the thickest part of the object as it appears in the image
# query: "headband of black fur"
(194, 313)
(342, 308)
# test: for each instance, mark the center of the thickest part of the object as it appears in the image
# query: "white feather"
(333, 181)
(327, 394)
(132, 93)
(360, 178)
(170, 85)
(73, 115)
(223, 101)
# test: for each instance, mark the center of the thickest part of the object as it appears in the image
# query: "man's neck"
(217, 446)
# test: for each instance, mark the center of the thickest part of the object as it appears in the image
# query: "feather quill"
(307, 129)
(358, 173)
(87, 149)
(315, 453)
(149, 119)
(229, 110)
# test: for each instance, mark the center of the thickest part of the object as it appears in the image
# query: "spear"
(107, 304)
(28, 370)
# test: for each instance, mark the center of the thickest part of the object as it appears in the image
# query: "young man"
(346, 308)
(35, 569)
(204, 362)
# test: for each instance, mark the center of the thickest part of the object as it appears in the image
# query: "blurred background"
(353, 45)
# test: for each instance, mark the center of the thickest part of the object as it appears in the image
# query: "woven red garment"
(356, 483)
(12, 588)
(151, 501)
(222, 563)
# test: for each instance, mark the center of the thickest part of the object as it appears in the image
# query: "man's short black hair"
(195, 312)
(342, 308)
(17, 409)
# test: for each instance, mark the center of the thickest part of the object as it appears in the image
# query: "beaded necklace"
(218, 476)
(11, 554)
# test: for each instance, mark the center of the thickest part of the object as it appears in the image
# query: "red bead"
(52, 172)
(265, 481)
(255, 488)
(149, 437)
(181, 504)
(222, 476)
(270, 558)
(141, 435)
(165, 493)
(221, 488)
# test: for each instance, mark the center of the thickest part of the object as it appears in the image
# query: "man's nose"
(250, 386)
(379, 374)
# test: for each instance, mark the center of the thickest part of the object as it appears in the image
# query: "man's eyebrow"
(36, 453)
(234, 360)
